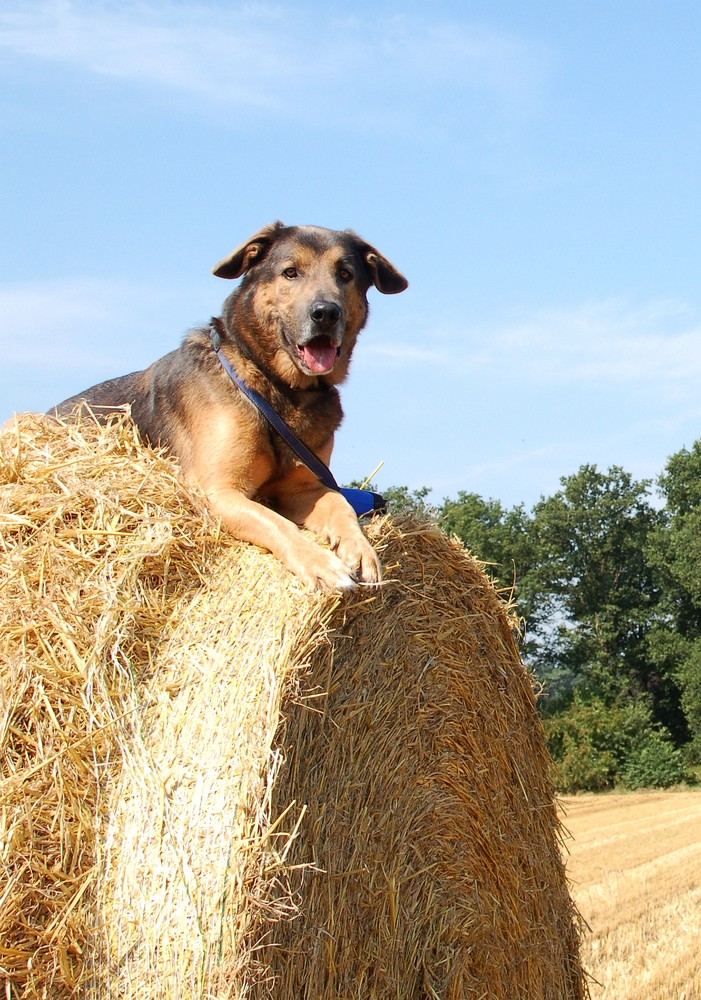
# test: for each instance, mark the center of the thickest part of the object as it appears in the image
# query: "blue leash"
(362, 501)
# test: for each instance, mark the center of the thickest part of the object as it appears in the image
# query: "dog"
(288, 330)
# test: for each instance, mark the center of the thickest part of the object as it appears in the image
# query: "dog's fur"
(288, 330)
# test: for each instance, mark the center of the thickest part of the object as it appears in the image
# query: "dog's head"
(304, 297)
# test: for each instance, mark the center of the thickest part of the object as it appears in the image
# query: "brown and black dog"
(288, 330)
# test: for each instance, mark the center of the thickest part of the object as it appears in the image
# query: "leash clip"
(215, 337)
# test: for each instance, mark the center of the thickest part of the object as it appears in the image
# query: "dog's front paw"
(321, 569)
(359, 558)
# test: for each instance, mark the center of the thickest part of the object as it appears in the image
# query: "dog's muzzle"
(320, 349)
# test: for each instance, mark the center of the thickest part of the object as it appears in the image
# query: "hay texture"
(216, 785)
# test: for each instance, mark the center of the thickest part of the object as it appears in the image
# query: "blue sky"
(533, 168)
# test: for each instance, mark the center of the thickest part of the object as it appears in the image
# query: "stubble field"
(635, 864)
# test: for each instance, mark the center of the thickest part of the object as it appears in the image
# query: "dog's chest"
(312, 416)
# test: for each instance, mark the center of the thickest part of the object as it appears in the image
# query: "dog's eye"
(290, 272)
(345, 274)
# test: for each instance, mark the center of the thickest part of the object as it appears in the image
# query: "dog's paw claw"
(324, 572)
(361, 562)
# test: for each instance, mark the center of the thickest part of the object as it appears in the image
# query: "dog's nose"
(325, 314)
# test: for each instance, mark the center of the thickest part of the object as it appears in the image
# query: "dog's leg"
(252, 522)
(329, 515)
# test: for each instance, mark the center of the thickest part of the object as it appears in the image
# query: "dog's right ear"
(249, 253)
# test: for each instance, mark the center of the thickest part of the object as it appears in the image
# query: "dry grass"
(635, 861)
(216, 785)
(96, 537)
(192, 857)
(430, 831)
(136, 722)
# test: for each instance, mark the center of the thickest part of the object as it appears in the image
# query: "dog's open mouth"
(319, 355)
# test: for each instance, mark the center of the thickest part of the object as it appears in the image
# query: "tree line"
(605, 576)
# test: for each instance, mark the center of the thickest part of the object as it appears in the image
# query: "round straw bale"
(217, 785)
(428, 863)
(97, 541)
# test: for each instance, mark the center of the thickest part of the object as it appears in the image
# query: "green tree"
(598, 591)
(402, 500)
(597, 745)
(674, 549)
(499, 537)
(495, 535)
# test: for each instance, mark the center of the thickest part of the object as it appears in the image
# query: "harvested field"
(635, 864)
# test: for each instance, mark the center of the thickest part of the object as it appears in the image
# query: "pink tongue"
(319, 355)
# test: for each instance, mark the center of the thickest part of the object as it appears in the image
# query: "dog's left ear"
(385, 277)
(249, 253)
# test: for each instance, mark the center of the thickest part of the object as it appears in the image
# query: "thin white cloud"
(37, 317)
(64, 325)
(606, 341)
(408, 353)
(284, 58)
(511, 462)
(659, 342)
